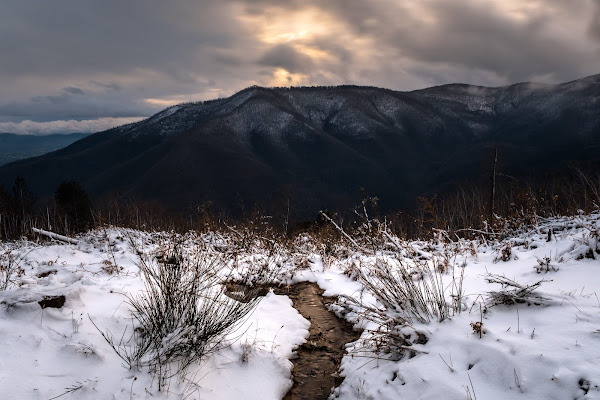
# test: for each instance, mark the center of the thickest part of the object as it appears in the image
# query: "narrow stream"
(315, 369)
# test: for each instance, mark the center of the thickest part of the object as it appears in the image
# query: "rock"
(52, 302)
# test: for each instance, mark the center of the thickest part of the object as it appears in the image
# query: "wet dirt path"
(315, 369)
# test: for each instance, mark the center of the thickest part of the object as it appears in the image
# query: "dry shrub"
(513, 292)
(10, 267)
(183, 314)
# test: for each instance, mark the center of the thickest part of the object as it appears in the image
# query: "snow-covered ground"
(547, 348)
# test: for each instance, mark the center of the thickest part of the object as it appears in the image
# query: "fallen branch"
(339, 228)
(55, 236)
(478, 231)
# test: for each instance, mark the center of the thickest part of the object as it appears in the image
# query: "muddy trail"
(315, 368)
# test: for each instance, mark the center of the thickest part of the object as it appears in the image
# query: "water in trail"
(315, 372)
(315, 368)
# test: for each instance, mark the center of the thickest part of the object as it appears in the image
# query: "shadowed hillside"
(319, 146)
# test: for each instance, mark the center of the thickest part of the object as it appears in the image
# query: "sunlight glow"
(162, 102)
(519, 10)
(303, 30)
(282, 77)
(288, 27)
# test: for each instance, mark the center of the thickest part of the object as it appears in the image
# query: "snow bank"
(526, 351)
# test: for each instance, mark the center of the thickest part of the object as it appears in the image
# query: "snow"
(526, 351)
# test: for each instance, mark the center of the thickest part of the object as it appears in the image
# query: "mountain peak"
(320, 145)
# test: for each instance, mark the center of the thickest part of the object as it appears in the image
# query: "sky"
(85, 66)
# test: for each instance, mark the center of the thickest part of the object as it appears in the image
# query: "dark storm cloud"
(69, 36)
(86, 59)
(73, 90)
(594, 28)
(75, 103)
(115, 56)
(112, 87)
(55, 107)
(286, 57)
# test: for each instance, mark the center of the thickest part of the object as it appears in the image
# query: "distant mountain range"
(16, 147)
(317, 146)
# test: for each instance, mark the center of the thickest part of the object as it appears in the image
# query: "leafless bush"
(407, 281)
(390, 341)
(183, 312)
(513, 292)
(10, 267)
(414, 291)
(544, 265)
(182, 315)
(504, 252)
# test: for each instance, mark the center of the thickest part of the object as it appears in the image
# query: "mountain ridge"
(320, 145)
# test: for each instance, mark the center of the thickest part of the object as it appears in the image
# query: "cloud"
(68, 59)
(73, 90)
(28, 127)
(86, 102)
(410, 44)
(118, 53)
(594, 28)
(286, 57)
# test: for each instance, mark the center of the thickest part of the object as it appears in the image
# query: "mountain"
(319, 145)
(16, 147)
